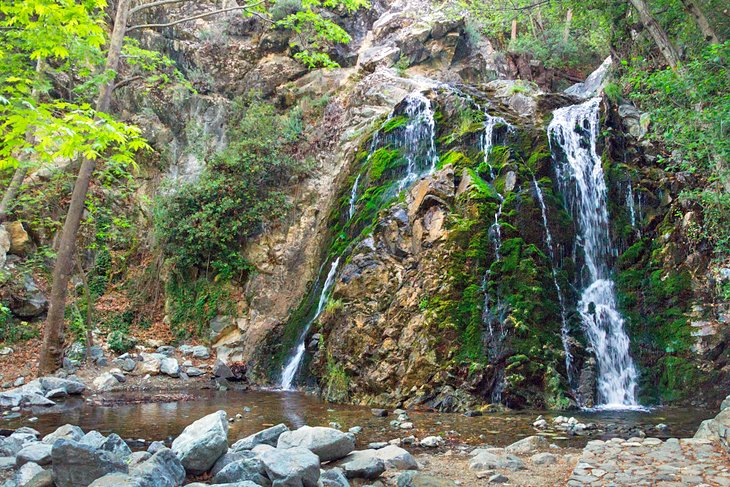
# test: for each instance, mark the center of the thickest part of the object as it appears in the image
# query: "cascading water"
(418, 139)
(292, 366)
(573, 132)
(353, 196)
(564, 331)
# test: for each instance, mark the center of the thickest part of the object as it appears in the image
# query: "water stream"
(292, 366)
(573, 133)
(418, 139)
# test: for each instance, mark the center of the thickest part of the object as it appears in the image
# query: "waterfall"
(353, 196)
(417, 139)
(487, 139)
(573, 131)
(564, 332)
(292, 366)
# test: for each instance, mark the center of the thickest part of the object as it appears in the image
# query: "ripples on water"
(160, 420)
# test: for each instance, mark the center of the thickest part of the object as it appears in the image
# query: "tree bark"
(568, 20)
(707, 31)
(513, 37)
(53, 335)
(657, 33)
(12, 191)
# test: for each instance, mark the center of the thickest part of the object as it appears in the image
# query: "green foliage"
(336, 382)
(193, 304)
(204, 225)
(394, 123)
(382, 161)
(119, 342)
(11, 330)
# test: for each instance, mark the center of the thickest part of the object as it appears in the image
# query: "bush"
(119, 342)
(11, 330)
(204, 225)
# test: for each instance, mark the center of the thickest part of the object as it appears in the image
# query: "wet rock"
(39, 453)
(75, 464)
(67, 431)
(292, 466)
(202, 443)
(269, 436)
(327, 443)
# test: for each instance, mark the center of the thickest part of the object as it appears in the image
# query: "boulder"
(67, 431)
(397, 458)
(75, 464)
(246, 469)
(32, 302)
(56, 394)
(27, 473)
(169, 366)
(229, 457)
(327, 443)
(39, 453)
(488, 461)
(138, 457)
(432, 442)
(9, 447)
(193, 372)
(544, 459)
(20, 242)
(4, 244)
(43, 478)
(293, 466)
(120, 480)
(221, 370)
(417, 479)
(716, 429)
(269, 436)
(202, 443)
(105, 382)
(163, 469)
(527, 445)
(363, 467)
(200, 351)
(126, 364)
(333, 478)
(166, 350)
(150, 364)
(7, 463)
(70, 386)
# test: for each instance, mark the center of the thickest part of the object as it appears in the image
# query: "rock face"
(327, 443)
(717, 428)
(202, 443)
(293, 466)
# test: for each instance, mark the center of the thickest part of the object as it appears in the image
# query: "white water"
(353, 196)
(418, 136)
(564, 331)
(292, 367)
(583, 182)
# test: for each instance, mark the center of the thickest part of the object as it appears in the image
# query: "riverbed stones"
(27, 473)
(379, 413)
(76, 464)
(418, 479)
(245, 469)
(105, 382)
(393, 457)
(333, 477)
(169, 366)
(544, 459)
(269, 436)
(70, 386)
(327, 443)
(293, 466)
(229, 457)
(202, 443)
(367, 467)
(432, 442)
(39, 453)
(193, 372)
(120, 480)
(487, 461)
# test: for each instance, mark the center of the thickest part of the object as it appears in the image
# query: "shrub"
(120, 342)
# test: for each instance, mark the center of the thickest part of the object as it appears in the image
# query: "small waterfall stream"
(353, 196)
(564, 331)
(574, 131)
(292, 366)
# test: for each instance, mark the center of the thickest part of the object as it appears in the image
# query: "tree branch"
(200, 16)
(145, 6)
(126, 81)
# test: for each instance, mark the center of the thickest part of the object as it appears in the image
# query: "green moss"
(382, 161)
(394, 123)
(336, 382)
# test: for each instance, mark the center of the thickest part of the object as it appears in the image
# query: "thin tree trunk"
(53, 336)
(12, 191)
(658, 34)
(89, 308)
(568, 20)
(707, 31)
(513, 37)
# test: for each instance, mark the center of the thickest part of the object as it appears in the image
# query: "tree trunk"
(658, 34)
(707, 31)
(513, 37)
(12, 191)
(568, 20)
(53, 335)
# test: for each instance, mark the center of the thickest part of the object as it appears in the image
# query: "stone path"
(652, 461)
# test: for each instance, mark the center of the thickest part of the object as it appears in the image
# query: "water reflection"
(165, 420)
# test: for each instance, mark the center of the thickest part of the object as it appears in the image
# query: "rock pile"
(40, 392)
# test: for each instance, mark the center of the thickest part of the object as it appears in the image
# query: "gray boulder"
(7, 463)
(395, 457)
(202, 443)
(163, 469)
(222, 370)
(155, 446)
(75, 464)
(56, 394)
(291, 467)
(716, 429)
(333, 478)
(169, 366)
(138, 457)
(364, 467)
(200, 351)
(119, 480)
(39, 453)
(327, 443)
(193, 372)
(70, 386)
(9, 447)
(544, 459)
(247, 469)
(269, 436)
(528, 445)
(417, 479)
(229, 457)
(489, 461)
(67, 431)
(27, 473)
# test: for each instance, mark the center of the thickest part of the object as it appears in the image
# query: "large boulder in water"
(163, 469)
(75, 464)
(327, 443)
(202, 443)
(245, 469)
(291, 467)
(67, 431)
